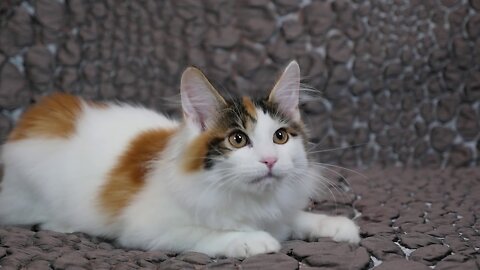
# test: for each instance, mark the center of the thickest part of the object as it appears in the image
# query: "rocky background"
(397, 79)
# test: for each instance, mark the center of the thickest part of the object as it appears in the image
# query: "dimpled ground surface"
(409, 219)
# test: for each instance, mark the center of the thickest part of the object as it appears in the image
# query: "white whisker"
(338, 148)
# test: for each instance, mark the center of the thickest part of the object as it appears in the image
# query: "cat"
(231, 179)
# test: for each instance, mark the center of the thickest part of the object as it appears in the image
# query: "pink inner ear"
(197, 106)
(199, 99)
(286, 91)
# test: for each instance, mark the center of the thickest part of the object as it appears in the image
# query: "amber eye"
(238, 139)
(280, 136)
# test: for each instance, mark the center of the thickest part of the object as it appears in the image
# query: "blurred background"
(398, 81)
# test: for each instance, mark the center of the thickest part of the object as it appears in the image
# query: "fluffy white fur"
(56, 182)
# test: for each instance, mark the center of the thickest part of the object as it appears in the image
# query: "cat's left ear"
(286, 91)
(200, 100)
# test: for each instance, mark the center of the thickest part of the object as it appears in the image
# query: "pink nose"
(269, 161)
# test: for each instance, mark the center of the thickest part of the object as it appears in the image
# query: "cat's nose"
(269, 161)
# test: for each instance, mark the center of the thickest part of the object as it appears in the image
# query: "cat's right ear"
(200, 100)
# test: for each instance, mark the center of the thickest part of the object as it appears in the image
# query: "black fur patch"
(216, 147)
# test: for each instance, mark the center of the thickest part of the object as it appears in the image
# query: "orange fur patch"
(128, 176)
(249, 106)
(197, 151)
(54, 116)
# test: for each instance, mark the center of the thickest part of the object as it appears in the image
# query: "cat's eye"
(280, 136)
(238, 139)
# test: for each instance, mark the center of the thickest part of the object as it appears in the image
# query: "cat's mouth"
(267, 177)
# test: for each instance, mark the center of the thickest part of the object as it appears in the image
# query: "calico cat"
(231, 179)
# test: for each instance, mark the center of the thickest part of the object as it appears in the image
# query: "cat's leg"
(238, 244)
(311, 226)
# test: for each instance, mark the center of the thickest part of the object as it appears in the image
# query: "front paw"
(252, 243)
(341, 229)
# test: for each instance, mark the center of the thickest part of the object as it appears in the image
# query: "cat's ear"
(286, 91)
(200, 100)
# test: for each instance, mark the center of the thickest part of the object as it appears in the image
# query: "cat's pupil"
(279, 135)
(238, 138)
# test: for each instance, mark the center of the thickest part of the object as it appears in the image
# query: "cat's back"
(63, 129)
(67, 117)
(66, 137)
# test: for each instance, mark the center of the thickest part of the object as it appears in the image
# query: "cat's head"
(248, 144)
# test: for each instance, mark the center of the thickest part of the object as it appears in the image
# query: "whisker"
(326, 188)
(340, 167)
(339, 148)
(323, 166)
(327, 181)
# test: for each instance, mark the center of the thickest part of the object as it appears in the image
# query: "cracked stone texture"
(428, 218)
(405, 95)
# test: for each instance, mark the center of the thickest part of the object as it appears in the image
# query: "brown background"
(402, 78)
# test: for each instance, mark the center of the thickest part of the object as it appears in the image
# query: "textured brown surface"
(400, 78)
(409, 219)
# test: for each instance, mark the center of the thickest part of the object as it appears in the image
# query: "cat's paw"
(252, 243)
(340, 229)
